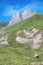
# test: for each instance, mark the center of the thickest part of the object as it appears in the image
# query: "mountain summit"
(28, 13)
(17, 17)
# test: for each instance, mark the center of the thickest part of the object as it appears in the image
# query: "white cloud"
(9, 11)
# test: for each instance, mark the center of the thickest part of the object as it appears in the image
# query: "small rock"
(41, 63)
(32, 63)
(36, 56)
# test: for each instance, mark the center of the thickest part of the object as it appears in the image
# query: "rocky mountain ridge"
(17, 17)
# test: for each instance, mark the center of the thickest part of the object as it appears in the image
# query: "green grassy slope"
(21, 54)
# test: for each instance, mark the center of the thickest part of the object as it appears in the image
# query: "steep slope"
(16, 18)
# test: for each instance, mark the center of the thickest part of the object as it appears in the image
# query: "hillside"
(33, 21)
(3, 24)
(15, 53)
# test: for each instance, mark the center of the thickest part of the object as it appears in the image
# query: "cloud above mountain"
(8, 11)
(8, 7)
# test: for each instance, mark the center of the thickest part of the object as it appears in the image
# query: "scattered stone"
(41, 63)
(36, 56)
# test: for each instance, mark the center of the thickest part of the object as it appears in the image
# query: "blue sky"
(9, 7)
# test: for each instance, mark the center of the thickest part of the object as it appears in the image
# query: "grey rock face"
(3, 40)
(27, 13)
(16, 18)
(21, 16)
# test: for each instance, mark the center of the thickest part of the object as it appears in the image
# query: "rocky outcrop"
(32, 35)
(3, 40)
(37, 41)
(22, 40)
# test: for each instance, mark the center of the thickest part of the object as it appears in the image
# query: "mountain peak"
(28, 10)
(17, 17)
(28, 13)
